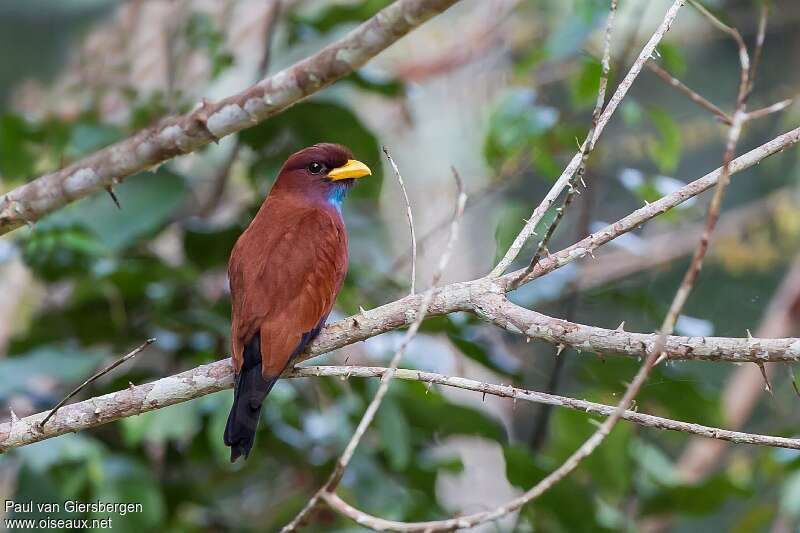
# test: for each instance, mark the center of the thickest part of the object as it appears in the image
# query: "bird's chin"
(346, 183)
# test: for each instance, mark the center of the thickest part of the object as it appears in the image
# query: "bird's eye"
(315, 168)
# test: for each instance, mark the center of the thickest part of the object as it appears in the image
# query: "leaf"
(87, 137)
(567, 503)
(672, 57)
(176, 422)
(394, 433)
(584, 88)
(699, 499)
(512, 218)
(390, 88)
(432, 413)
(478, 353)
(515, 124)
(19, 374)
(16, 156)
(610, 466)
(124, 480)
(666, 151)
(332, 16)
(148, 201)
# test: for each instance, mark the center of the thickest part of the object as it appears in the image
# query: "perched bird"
(285, 272)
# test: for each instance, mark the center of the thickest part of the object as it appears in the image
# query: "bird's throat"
(337, 192)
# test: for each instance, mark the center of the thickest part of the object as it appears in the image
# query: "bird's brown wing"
(285, 272)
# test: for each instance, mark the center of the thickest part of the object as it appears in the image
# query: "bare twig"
(95, 377)
(622, 90)
(410, 220)
(764, 111)
(693, 96)
(338, 471)
(762, 32)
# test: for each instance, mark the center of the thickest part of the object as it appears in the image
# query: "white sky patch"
(693, 327)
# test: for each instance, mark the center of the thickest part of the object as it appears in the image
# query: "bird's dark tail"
(249, 390)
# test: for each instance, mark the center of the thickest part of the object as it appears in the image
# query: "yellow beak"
(351, 170)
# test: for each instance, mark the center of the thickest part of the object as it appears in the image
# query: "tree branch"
(211, 121)
(484, 297)
(507, 391)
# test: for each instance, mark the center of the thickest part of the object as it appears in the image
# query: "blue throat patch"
(336, 196)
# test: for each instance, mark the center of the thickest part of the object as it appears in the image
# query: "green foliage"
(331, 17)
(201, 32)
(672, 57)
(666, 150)
(517, 124)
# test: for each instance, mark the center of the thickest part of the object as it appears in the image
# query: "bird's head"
(322, 172)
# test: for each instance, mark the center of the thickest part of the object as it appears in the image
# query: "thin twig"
(379, 524)
(95, 377)
(764, 111)
(410, 221)
(674, 82)
(508, 391)
(762, 32)
(386, 378)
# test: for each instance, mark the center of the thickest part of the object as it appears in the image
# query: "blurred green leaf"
(16, 156)
(19, 374)
(387, 87)
(430, 411)
(516, 123)
(173, 423)
(124, 480)
(511, 221)
(393, 429)
(700, 499)
(672, 57)
(202, 32)
(583, 89)
(666, 151)
(148, 201)
(566, 507)
(331, 16)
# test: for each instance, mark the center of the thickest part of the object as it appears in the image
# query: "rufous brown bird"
(285, 272)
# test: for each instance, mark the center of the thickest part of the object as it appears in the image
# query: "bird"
(285, 272)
